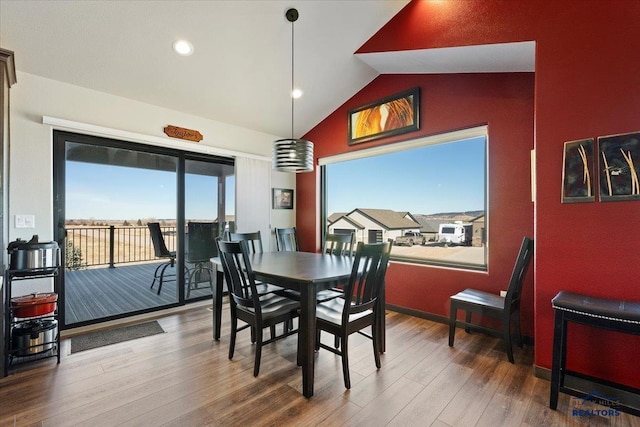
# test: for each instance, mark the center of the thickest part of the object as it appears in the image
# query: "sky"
(433, 179)
(438, 178)
(133, 194)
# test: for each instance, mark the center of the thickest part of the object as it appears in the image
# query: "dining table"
(307, 273)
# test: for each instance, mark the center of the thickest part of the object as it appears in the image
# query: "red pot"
(32, 305)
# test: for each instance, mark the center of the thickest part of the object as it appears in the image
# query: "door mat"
(113, 336)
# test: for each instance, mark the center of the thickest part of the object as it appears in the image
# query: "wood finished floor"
(184, 378)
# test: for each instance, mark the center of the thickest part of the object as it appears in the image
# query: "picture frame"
(618, 177)
(282, 198)
(578, 171)
(393, 115)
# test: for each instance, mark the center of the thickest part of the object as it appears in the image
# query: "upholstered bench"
(615, 315)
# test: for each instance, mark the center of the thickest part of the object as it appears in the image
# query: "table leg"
(217, 304)
(306, 335)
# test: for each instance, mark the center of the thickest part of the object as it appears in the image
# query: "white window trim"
(458, 135)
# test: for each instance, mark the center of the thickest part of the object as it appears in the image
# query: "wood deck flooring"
(106, 292)
(184, 378)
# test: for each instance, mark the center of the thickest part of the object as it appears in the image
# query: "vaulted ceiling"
(240, 70)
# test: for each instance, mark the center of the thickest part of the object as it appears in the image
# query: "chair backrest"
(367, 278)
(519, 272)
(238, 274)
(159, 247)
(286, 239)
(201, 241)
(253, 239)
(338, 244)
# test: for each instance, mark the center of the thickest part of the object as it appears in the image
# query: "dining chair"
(506, 308)
(254, 245)
(338, 243)
(257, 311)
(161, 251)
(358, 309)
(253, 239)
(201, 247)
(286, 239)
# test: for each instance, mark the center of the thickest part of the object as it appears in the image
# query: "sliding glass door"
(123, 213)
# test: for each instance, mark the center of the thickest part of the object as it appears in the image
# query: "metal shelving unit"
(14, 353)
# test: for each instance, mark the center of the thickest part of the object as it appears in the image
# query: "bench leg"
(558, 358)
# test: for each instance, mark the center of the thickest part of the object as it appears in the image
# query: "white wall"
(31, 154)
(31, 151)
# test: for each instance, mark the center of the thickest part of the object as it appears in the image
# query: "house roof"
(389, 219)
(335, 216)
(351, 221)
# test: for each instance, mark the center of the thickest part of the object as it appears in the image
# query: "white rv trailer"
(456, 233)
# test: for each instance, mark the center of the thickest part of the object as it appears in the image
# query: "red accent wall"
(587, 84)
(449, 102)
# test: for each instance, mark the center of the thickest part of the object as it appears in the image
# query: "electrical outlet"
(25, 221)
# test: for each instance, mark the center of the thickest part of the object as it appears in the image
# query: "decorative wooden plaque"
(183, 133)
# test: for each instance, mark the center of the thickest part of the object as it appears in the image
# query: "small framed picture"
(282, 198)
(619, 167)
(578, 171)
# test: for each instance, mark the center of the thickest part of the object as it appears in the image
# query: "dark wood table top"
(301, 267)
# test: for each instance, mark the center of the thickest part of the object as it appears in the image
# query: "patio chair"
(201, 247)
(161, 251)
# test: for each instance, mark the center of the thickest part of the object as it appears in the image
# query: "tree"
(73, 257)
(139, 223)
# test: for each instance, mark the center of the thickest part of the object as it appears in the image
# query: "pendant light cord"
(292, 79)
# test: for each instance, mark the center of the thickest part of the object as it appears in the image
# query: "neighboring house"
(479, 237)
(373, 225)
(429, 227)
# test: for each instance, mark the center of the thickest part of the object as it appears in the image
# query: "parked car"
(410, 238)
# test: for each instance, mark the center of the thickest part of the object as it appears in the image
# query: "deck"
(98, 293)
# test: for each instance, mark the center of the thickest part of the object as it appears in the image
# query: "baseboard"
(419, 314)
(527, 340)
(540, 372)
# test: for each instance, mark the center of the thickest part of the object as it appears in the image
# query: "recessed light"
(182, 47)
(296, 93)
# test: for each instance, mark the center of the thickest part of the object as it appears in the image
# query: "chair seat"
(329, 294)
(267, 288)
(484, 299)
(331, 312)
(506, 308)
(273, 305)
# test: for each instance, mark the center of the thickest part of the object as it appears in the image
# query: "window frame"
(481, 131)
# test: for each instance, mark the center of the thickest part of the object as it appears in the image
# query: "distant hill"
(453, 216)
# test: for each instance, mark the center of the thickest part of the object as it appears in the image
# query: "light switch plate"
(25, 221)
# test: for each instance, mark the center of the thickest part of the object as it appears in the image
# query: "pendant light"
(291, 154)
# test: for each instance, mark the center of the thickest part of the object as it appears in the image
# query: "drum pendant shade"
(291, 154)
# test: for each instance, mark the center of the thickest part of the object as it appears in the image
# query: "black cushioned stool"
(614, 315)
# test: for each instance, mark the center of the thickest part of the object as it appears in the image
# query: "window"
(428, 195)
